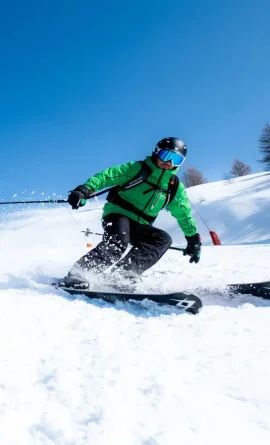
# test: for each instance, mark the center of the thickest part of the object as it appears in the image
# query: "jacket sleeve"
(117, 175)
(180, 208)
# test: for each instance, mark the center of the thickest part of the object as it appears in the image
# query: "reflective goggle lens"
(167, 155)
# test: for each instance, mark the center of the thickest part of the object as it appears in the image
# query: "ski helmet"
(171, 149)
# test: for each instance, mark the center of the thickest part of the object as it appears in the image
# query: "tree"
(239, 168)
(192, 177)
(265, 146)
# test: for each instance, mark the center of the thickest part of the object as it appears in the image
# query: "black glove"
(193, 248)
(77, 196)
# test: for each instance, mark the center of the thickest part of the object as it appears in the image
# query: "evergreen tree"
(265, 146)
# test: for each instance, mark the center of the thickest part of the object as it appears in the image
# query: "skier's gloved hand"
(193, 248)
(77, 197)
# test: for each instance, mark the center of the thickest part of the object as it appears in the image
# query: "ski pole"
(50, 201)
(180, 249)
(89, 232)
(54, 201)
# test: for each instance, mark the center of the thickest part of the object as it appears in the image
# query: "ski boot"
(73, 281)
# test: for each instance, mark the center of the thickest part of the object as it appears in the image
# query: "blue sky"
(85, 85)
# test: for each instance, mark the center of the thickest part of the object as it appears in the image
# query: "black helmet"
(174, 145)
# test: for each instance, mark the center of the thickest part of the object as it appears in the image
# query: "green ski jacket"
(150, 203)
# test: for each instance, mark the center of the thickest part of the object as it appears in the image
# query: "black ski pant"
(148, 245)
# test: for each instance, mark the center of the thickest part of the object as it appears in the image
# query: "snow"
(237, 210)
(77, 372)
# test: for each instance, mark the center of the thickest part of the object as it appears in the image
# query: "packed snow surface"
(77, 372)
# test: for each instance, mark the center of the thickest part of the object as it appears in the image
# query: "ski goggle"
(168, 155)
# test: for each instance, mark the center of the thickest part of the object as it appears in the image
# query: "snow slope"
(79, 372)
(239, 210)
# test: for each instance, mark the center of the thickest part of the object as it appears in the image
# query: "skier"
(141, 190)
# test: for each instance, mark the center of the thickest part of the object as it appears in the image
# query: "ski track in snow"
(77, 372)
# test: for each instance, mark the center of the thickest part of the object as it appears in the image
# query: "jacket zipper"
(159, 179)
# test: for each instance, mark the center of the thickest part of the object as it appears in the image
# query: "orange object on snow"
(215, 238)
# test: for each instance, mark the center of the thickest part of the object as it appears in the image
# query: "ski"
(189, 302)
(260, 289)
